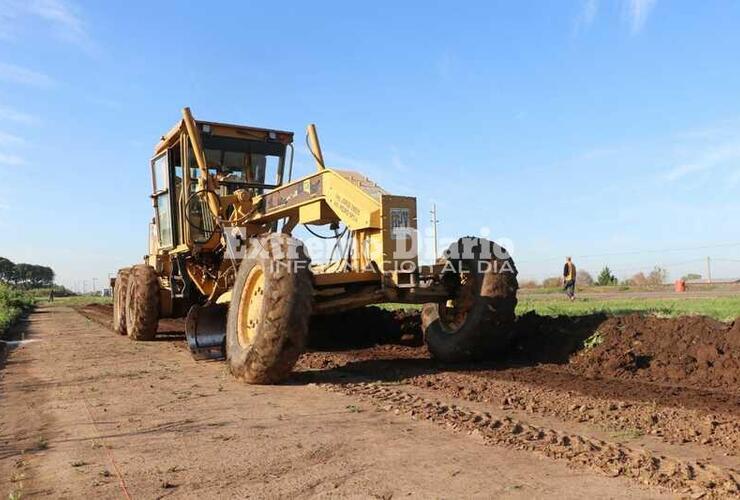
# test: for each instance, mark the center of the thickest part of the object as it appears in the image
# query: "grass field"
(722, 308)
(81, 300)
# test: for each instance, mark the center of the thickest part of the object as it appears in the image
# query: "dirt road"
(87, 413)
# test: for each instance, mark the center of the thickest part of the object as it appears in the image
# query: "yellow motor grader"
(222, 254)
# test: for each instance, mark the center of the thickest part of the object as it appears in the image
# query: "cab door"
(162, 201)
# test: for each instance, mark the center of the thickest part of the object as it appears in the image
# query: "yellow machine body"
(383, 264)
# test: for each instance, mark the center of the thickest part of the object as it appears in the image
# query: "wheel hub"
(250, 307)
(455, 312)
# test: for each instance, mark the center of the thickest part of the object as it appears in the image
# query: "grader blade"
(205, 330)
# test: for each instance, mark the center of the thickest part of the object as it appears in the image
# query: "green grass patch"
(82, 300)
(721, 308)
(594, 340)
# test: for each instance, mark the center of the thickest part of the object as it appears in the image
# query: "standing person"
(569, 279)
(51, 295)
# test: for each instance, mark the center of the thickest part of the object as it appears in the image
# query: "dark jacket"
(572, 272)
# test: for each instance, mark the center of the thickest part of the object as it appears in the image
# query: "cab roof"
(225, 130)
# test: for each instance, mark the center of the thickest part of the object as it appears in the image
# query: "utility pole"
(709, 269)
(434, 222)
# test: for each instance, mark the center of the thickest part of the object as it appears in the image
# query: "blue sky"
(606, 130)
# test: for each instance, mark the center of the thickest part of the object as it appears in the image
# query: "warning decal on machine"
(399, 223)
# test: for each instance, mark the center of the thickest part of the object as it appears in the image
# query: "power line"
(638, 252)
(651, 267)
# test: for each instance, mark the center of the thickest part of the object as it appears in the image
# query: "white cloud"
(61, 15)
(635, 12)
(11, 160)
(398, 163)
(24, 76)
(12, 115)
(638, 12)
(712, 157)
(10, 11)
(683, 170)
(10, 139)
(587, 14)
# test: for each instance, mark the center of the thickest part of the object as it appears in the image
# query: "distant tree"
(23, 274)
(638, 279)
(33, 276)
(584, 278)
(606, 277)
(657, 276)
(7, 270)
(691, 277)
(528, 284)
(553, 282)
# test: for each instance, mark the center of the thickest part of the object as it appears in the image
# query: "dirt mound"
(691, 351)
(550, 340)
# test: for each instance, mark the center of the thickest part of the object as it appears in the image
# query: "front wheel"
(270, 308)
(477, 322)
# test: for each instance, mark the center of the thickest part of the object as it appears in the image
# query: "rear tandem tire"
(485, 329)
(270, 308)
(142, 303)
(119, 300)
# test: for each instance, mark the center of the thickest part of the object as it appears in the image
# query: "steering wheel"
(210, 197)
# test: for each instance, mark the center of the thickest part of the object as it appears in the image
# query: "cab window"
(162, 203)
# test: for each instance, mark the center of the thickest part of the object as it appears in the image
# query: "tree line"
(606, 277)
(25, 275)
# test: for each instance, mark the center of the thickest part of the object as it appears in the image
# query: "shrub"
(656, 277)
(584, 278)
(691, 277)
(554, 282)
(528, 284)
(13, 303)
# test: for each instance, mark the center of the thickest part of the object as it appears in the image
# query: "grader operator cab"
(221, 253)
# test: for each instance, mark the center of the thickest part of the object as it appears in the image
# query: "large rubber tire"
(278, 275)
(119, 300)
(486, 328)
(142, 303)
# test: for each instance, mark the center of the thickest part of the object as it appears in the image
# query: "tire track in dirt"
(521, 389)
(671, 424)
(548, 409)
(695, 478)
(673, 414)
